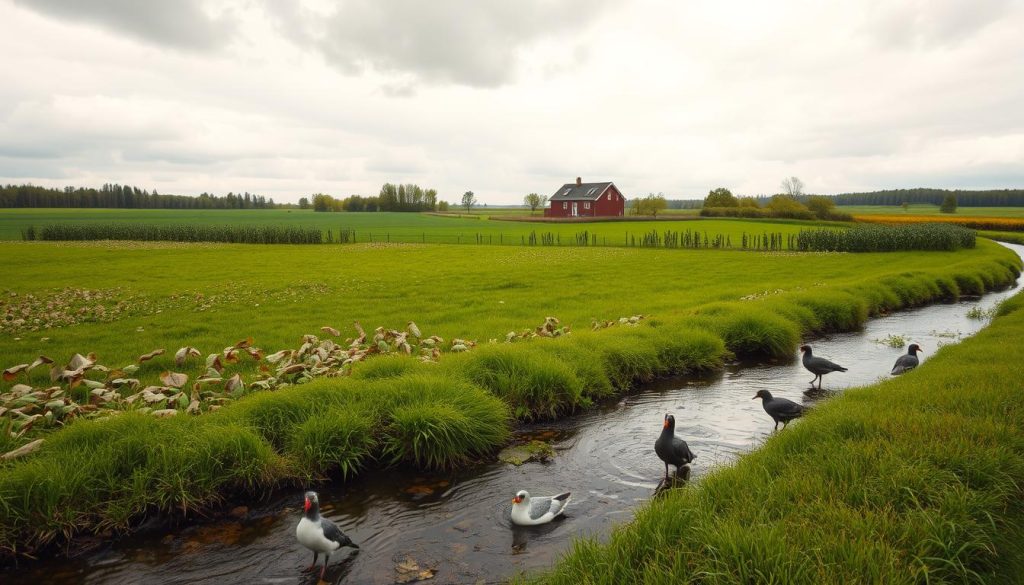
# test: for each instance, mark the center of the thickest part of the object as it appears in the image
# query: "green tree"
(635, 206)
(533, 201)
(783, 203)
(749, 202)
(720, 197)
(948, 204)
(468, 200)
(304, 203)
(793, 187)
(654, 203)
(821, 206)
(443, 206)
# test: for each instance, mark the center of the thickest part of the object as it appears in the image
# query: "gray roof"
(583, 192)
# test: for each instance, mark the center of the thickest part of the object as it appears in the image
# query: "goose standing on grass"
(319, 534)
(907, 362)
(780, 409)
(670, 449)
(818, 366)
(527, 511)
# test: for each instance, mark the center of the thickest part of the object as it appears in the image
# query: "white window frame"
(565, 205)
(586, 205)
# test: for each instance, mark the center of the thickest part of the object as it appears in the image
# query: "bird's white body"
(541, 510)
(311, 536)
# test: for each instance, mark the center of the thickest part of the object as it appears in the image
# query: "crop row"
(236, 234)
(1006, 224)
(878, 238)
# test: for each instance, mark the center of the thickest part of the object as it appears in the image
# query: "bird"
(527, 511)
(670, 449)
(780, 409)
(818, 366)
(907, 362)
(319, 534)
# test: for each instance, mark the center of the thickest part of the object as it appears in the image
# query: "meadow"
(386, 226)
(914, 480)
(922, 209)
(698, 309)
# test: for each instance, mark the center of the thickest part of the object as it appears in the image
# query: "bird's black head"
(763, 394)
(913, 349)
(805, 348)
(670, 422)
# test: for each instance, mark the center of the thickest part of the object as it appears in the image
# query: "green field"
(124, 299)
(393, 226)
(933, 210)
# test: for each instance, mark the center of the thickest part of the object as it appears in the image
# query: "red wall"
(603, 207)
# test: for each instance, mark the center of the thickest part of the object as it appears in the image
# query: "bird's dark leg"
(323, 571)
(666, 471)
(776, 425)
(310, 568)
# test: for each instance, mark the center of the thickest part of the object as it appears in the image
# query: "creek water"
(455, 527)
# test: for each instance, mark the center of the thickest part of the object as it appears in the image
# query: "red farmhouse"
(586, 200)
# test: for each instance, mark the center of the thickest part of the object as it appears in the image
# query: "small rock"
(532, 451)
(239, 511)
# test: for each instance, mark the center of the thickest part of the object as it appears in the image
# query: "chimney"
(579, 181)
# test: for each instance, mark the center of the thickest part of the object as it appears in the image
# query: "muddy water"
(455, 528)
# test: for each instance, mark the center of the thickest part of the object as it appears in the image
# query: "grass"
(924, 209)
(913, 480)
(378, 227)
(1010, 237)
(109, 473)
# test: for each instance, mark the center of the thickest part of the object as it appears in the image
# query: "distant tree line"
(963, 198)
(115, 196)
(408, 197)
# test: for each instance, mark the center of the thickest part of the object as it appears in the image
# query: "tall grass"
(880, 238)
(914, 480)
(233, 234)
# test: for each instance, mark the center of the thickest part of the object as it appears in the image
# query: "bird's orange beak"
(664, 425)
(307, 505)
(515, 500)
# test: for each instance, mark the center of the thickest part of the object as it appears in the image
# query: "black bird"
(671, 449)
(818, 366)
(319, 534)
(780, 409)
(907, 362)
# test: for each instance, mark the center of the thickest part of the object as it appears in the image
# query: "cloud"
(182, 24)
(471, 43)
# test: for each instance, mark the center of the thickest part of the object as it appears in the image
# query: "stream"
(455, 527)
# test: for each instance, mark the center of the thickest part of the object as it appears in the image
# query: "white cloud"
(508, 98)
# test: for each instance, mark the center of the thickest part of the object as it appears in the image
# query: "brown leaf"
(184, 353)
(13, 371)
(174, 379)
(244, 343)
(40, 360)
(150, 355)
(231, 356)
(23, 450)
(213, 361)
(255, 353)
(164, 413)
(278, 356)
(234, 383)
(81, 362)
(331, 330)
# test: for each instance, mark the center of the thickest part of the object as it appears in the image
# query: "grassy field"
(915, 480)
(105, 474)
(405, 227)
(1013, 212)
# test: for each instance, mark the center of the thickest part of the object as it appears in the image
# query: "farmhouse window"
(565, 205)
(591, 192)
(586, 205)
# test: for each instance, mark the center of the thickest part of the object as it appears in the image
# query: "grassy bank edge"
(913, 480)
(107, 475)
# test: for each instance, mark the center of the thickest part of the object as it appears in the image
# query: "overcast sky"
(504, 98)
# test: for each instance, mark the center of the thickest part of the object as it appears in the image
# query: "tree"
(443, 206)
(652, 204)
(905, 206)
(534, 201)
(749, 202)
(793, 187)
(821, 206)
(786, 204)
(635, 206)
(720, 197)
(468, 200)
(948, 204)
(304, 203)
